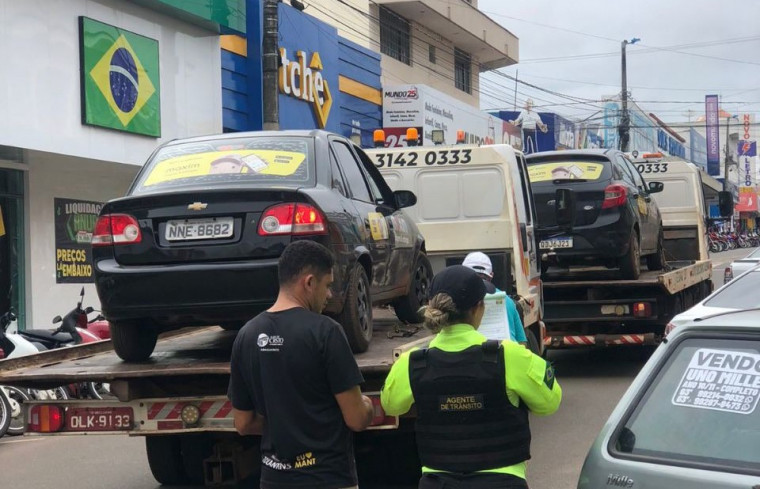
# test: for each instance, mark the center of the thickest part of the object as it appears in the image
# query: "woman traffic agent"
(472, 395)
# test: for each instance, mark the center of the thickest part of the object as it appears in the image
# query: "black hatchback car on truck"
(616, 219)
(197, 238)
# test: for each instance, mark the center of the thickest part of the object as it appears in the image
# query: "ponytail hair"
(440, 312)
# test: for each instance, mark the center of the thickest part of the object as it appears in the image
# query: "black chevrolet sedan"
(197, 238)
(616, 219)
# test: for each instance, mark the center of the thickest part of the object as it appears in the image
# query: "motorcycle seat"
(48, 335)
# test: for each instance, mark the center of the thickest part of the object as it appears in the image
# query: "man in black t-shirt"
(294, 380)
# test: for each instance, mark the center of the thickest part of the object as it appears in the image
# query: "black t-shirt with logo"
(288, 366)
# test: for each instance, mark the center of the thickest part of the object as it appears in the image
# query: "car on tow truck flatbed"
(197, 238)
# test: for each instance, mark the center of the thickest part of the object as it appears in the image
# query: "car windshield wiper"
(569, 180)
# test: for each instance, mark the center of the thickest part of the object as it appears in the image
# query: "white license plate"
(547, 244)
(216, 228)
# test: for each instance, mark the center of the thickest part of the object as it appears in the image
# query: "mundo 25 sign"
(302, 78)
(120, 79)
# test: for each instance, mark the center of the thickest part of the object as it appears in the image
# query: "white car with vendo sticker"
(691, 417)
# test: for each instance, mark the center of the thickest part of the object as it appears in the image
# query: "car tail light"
(112, 229)
(296, 219)
(728, 275)
(614, 196)
(46, 419)
(642, 310)
(2, 353)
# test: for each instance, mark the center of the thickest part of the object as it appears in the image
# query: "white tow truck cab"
(473, 198)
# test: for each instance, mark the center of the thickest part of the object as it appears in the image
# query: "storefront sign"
(421, 106)
(120, 79)
(303, 80)
(698, 149)
(74, 224)
(747, 200)
(713, 137)
(669, 144)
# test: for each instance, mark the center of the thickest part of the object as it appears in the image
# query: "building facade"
(90, 89)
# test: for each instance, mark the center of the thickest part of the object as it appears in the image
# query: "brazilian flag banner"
(120, 79)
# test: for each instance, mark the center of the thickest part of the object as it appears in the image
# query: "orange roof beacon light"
(379, 138)
(652, 156)
(412, 136)
(437, 136)
(460, 137)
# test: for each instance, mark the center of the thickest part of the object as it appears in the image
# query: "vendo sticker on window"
(721, 380)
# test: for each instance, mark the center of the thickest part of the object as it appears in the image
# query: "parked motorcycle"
(72, 331)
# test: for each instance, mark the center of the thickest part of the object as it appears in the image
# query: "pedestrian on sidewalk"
(472, 395)
(294, 380)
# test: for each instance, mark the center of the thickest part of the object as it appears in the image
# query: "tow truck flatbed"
(191, 353)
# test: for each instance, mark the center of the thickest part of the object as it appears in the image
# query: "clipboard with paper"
(495, 324)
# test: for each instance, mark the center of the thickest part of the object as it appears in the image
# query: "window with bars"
(394, 36)
(462, 70)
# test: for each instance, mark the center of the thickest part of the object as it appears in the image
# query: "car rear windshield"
(701, 410)
(565, 170)
(229, 162)
(740, 293)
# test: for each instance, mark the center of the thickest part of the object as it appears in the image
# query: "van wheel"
(657, 261)
(356, 316)
(630, 264)
(165, 459)
(406, 307)
(133, 342)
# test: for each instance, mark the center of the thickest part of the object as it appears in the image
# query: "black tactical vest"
(465, 422)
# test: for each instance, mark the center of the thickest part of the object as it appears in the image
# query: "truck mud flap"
(570, 341)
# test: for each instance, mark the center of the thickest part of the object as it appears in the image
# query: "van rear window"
(564, 170)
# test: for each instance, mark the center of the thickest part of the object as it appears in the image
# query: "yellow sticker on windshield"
(569, 170)
(256, 161)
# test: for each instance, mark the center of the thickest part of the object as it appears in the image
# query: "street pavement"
(592, 382)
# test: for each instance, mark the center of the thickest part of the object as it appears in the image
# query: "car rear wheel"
(133, 342)
(657, 261)
(406, 307)
(630, 264)
(356, 317)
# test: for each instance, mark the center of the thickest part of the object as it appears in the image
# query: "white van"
(473, 198)
(684, 204)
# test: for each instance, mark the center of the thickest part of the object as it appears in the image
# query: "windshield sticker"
(571, 170)
(246, 161)
(720, 380)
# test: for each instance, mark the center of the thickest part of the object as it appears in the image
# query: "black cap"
(463, 284)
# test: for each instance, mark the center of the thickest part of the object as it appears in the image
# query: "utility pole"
(624, 129)
(517, 74)
(270, 59)
(725, 163)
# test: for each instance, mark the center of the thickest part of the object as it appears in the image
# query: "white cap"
(479, 262)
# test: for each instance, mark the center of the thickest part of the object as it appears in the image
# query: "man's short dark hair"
(304, 256)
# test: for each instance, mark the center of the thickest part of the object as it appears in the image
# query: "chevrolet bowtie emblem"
(197, 206)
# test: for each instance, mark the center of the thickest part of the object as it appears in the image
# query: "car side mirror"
(404, 198)
(88, 310)
(656, 187)
(725, 203)
(57, 319)
(564, 207)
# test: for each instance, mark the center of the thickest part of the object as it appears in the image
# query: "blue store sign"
(325, 81)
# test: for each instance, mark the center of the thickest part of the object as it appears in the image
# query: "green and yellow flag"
(120, 79)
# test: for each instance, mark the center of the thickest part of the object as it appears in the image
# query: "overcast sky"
(653, 75)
